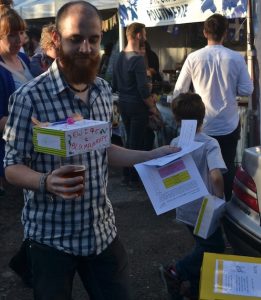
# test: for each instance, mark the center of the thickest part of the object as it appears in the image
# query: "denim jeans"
(104, 276)
(188, 268)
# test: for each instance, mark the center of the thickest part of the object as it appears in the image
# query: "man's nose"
(85, 47)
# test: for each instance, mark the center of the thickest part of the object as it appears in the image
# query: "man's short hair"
(63, 11)
(216, 26)
(188, 106)
(133, 29)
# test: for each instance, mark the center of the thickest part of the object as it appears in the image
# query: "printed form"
(174, 180)
(238, 278)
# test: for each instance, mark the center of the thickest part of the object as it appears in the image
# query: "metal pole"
(121, 35)
(254, 128)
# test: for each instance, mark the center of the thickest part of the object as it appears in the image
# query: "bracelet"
(42, 182)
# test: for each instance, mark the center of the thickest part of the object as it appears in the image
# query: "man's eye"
(94, 40)
(76, 40)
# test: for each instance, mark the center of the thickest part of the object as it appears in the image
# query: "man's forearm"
(122, 157)
(23, 177)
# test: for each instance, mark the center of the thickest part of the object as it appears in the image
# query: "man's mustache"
(86, 56)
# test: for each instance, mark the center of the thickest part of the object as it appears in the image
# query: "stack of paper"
(174, 180)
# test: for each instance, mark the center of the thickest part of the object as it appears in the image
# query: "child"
(210, 164)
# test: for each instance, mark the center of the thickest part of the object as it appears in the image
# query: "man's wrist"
(42, 182)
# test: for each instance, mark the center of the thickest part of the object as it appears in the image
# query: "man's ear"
(138, 36)
(56, 38)
(205, 34)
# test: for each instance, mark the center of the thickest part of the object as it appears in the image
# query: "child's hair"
(188, 106)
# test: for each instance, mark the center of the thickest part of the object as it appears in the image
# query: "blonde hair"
(46, 37)
(6, 4)
(10, 21)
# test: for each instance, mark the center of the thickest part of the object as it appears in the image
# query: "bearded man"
(69, 234)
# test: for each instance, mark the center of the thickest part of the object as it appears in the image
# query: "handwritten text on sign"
(89, 138)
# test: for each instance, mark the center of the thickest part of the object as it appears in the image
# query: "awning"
(36, 9)
(167, 12)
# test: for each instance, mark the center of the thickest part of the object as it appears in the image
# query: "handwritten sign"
(71, 139)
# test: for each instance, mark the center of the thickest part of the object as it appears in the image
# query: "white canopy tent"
(36, 9)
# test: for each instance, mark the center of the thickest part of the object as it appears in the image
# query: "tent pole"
(121, 35)
(254, 132)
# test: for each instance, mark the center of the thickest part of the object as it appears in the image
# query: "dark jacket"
(7, 85)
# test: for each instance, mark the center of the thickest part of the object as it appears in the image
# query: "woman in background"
(14, 66)
(14, 72)
(42, 60)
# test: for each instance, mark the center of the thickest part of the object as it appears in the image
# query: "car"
(242, 221)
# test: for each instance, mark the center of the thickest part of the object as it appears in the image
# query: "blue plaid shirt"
(85, 225)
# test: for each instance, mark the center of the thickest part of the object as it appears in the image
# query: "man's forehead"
(81, 21)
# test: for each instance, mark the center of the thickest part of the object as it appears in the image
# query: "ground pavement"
(150, 240)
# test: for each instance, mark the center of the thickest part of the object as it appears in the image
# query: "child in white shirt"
(209, 161)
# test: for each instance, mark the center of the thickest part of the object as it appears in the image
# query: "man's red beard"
(79, 68)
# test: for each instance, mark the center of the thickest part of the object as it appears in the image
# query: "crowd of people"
(65, 233)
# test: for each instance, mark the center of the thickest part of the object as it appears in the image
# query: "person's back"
(210, 164)
(130, 77)
(218, 75)
(136, 102)
(207, 158)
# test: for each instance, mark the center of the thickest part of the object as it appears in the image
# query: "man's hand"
(62, 182)
(164, 150)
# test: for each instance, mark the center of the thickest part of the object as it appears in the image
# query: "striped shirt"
(85, 225)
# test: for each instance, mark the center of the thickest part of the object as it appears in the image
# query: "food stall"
(175, 29)
(39, 9)
(40, 12)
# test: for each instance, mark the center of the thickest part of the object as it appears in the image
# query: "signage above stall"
(166, 12)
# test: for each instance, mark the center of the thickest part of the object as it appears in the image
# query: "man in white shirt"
(218, 75)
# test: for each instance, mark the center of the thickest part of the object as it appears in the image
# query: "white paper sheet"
(161, 161)
(52, 141)
(238, 278)
(187, 132)
(172, 185)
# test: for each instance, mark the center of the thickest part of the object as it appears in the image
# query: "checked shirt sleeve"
(18, 131)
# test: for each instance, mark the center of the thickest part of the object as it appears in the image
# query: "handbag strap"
(10, 69)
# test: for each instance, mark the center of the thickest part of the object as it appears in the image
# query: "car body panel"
(251, 163)
(241, 223)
